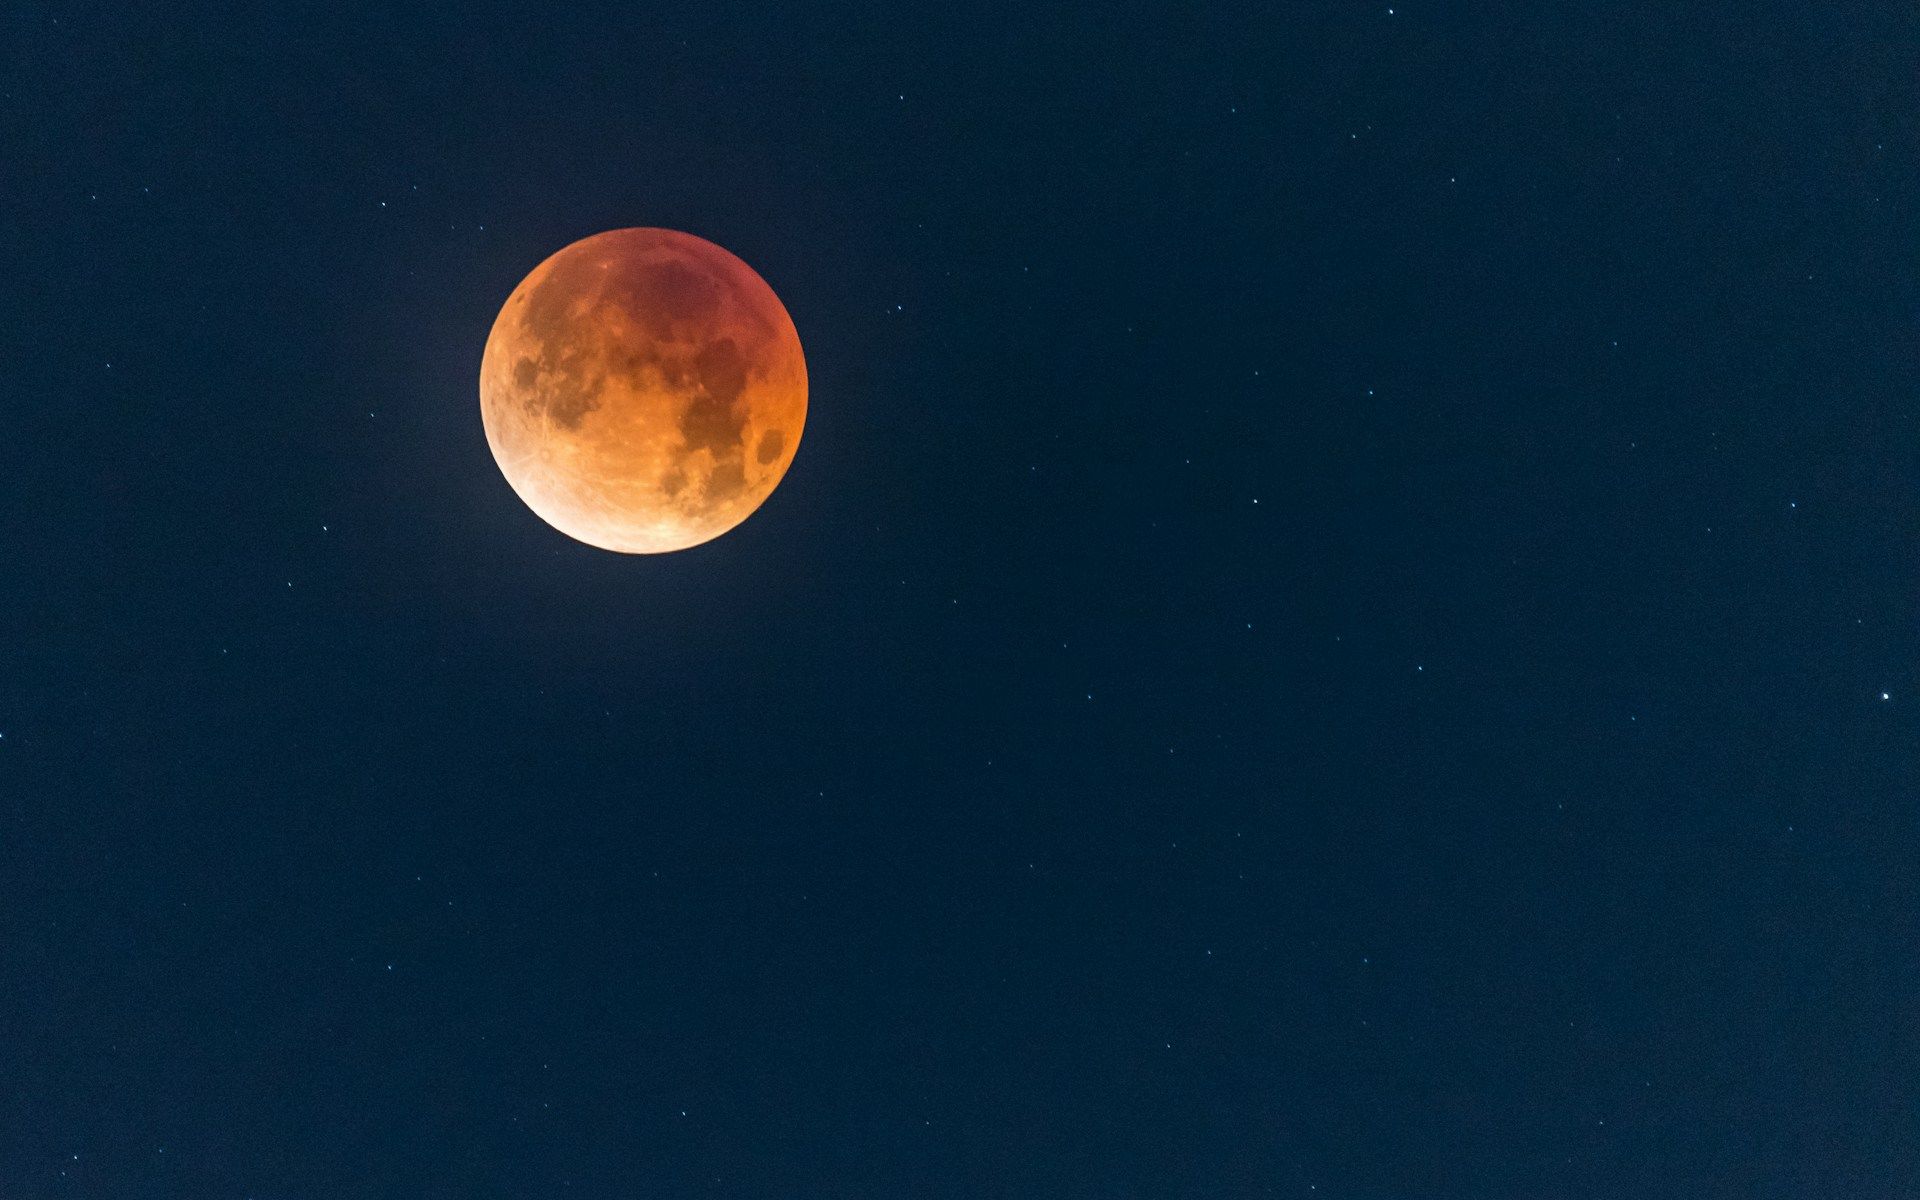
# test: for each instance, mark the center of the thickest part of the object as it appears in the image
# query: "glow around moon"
(643, 390)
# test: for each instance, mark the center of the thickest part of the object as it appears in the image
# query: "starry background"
(1344, 624)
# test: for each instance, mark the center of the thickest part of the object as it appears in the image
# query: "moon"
(643, 390)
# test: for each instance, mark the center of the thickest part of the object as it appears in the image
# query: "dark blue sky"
(1344, 625)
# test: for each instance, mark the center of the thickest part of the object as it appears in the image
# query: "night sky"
(1345, 624)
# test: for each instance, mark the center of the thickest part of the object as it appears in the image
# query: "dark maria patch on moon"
(726, 482)
(712, 420)
(665, 295)
(771, 443)
(572, 400)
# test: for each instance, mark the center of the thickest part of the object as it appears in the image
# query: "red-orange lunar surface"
(643, 390)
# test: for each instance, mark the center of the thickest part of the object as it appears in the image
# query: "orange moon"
(643, 390)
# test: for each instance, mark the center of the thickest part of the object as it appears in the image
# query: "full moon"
(643, 390)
